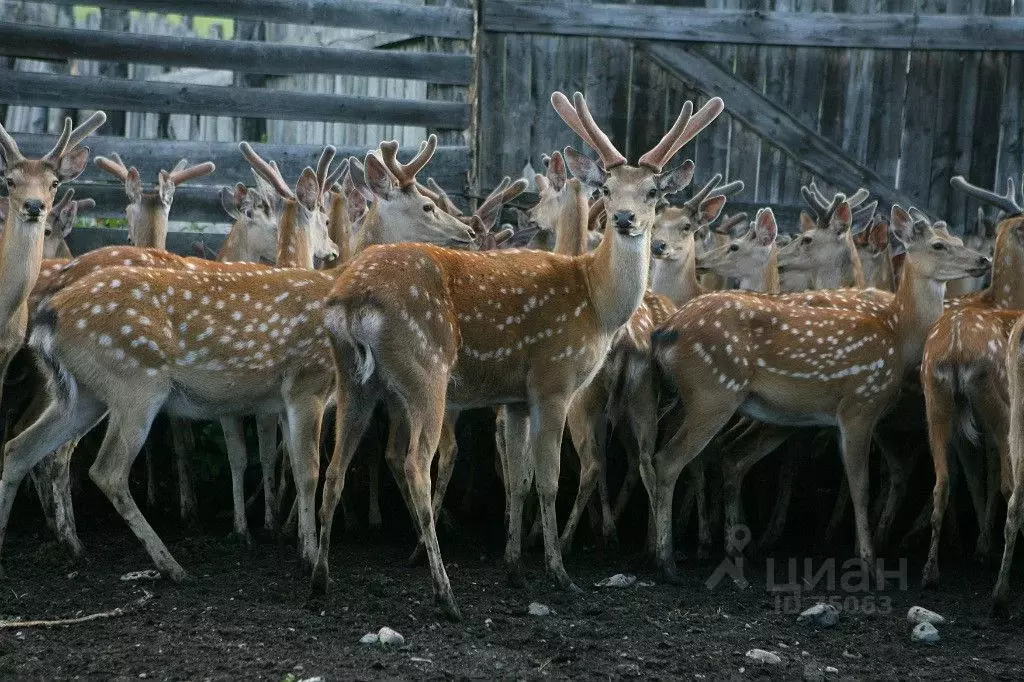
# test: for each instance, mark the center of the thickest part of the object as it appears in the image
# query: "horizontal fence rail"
(52, 42)
(754, 27)
(47, 90)
(381, 15)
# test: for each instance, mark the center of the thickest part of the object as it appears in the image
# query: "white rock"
(313, 679)
(765, 657)
(369, 638)
(919, 614)
(389, 637)
(820, 615)
(537, 609)
(617, 580)
(832, 670)
(925, 632)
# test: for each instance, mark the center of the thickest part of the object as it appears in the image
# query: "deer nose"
(624, 219)
(34, 208)
(658, 247)
(984, 262)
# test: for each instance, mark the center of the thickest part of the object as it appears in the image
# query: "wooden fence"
(68, 74)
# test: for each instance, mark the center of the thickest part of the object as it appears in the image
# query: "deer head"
(253, 236)
(32, 183)
(934, 253)
(1007, 246)
(400, 212)
(302, 226)
(750, 258)
(677, 228)
(147, 212)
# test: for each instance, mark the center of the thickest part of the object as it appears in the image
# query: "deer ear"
(942, 227)
(711, 208)
(67, 218)
(73, 163)
(841, 220)
(133, 186)
(902, 223)
(675, 180)
(307, 189)
(585, 169)
(229, 202)
(165, 188)
(378, 179)
(879, 235)
(807, 223)
(765, 228)
(557, 173)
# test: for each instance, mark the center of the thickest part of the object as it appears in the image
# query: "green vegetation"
(201, 25)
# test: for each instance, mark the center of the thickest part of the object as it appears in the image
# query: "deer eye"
(604, 190)
(10, 182)
(734, 247)
(939, 246)
(652, 193)
(55, 184)
(806, 240)
(428, 208)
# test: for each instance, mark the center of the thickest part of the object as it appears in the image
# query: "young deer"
(874, 249)
(1015, 506)
(792, 364)
(981, 238)
(253, 235)
(964, 380)
(529, 349)
(31, 188)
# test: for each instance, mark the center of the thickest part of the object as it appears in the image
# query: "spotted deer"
(982, 237)
(529, 349)
(31, 188)
(874, 249)
(964, 378)
(1015, 473)
(792, 364)
(253, 235)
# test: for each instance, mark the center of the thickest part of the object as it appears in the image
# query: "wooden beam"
(53, 42)
(773, 122)
(448, 166)
(49, 90)
(754, 27)
(83, 239)
(393, 17)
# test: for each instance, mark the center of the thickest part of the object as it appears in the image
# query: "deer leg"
(54, 474)
(1014, 521)
(518, 474)
(354, 410)
(147, 453)
(996, 422)
(447, 451)
(304, 416)
(838, 511)
(126, 432)
(941, 412)
(64, 420)
(855, 439)
(183, 442)
(374, 521)
(266, 431)
(736, 463)
(900, 464)
(791, 465)
(234, 441)
(585, 418)
(546, 451)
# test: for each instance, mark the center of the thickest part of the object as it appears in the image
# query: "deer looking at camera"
(964, 377)
(31, 188)
(529, 348)
(791, 364)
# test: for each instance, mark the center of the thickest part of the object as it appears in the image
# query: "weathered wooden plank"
(448, 166)
(382, 15)
(919, 122)
(1010, 162)
(656, 22)
(519, 104)
(947, 103)
(85, 239)
(52, 42)
(491, 62)
(987, 112)
(812, 151)
(39, 89)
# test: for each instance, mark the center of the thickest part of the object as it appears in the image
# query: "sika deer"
(963, 375)
(791, 364)
(529, 349)
(1015, 506)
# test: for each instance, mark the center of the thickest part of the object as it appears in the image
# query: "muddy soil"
(245, 615)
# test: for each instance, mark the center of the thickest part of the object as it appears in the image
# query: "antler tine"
(819, 197)
(495, 197)
(180, 176)
(10, 148)
(1007, 204)
(567, 112)
(422, 157)
(389, 154)
(811, 198)
(446, 203)
(611, 156)
(728, 189)
(656, 158)
(866, 210)
(595, 210)
(324, 165)
(696, 123)
(85, 129)
(62, 143)
(86, 204)
(513, 190)
(699, 196)
(267, 171)
(858, 197)
(337, 174)
(114, 165)
(59, 205)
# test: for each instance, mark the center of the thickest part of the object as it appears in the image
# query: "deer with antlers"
(792, 364)
(530, 348)
(1015, 473)
(964, 376)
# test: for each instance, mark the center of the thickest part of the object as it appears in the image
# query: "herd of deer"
(627, 321)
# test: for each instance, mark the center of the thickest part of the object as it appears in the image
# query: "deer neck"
(293, 247)
(676, 278)
(151, 231)
(62, 252)
(236, 246)
(766, 281)
(21, 256)
(371, 229)
(571, 225)
(617, 273)
(1007, 287)
(918, 304)
(846, 272)
(341, 229)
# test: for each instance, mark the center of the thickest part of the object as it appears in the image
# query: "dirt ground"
(245, 615)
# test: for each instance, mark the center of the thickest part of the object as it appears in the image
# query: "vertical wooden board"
(713, 150)
(648, 122)
(833, 103)
(609, 72)
(549, 132)
(777, 88)
(859, 93)
(987, 111)
(519, 105)
(885, 128)
(944, 148)
(1011, 123)
(919, 127)
(492, 101)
